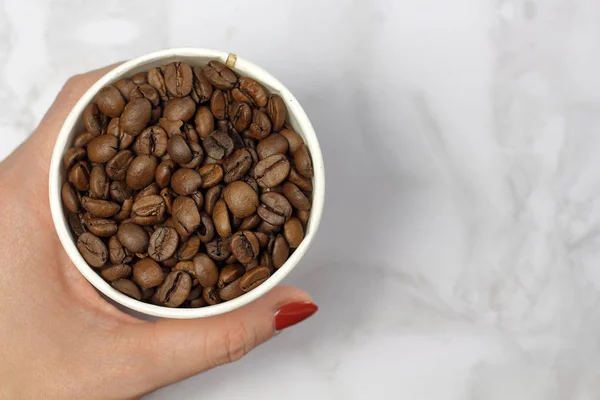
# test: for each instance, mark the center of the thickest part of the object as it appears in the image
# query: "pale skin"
(58, 338)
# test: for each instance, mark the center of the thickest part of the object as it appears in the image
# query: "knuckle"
(237, 343)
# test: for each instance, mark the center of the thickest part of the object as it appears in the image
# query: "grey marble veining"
(459, 253)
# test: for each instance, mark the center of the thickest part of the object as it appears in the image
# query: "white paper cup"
(200, 57)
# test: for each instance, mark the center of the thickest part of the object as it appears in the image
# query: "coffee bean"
(293, 232)
(250, 91)
(83, 139)
(272, 170)
(195, 293)
(221, 220)
(205, 123)
(254, 278)
(110, 101)
(186, 217)
(140, 78)
(294, 140)
(116, 167)
(202, 88)
(147, 294)
(171, 127)
(295, 196)
(302, 161)
(302, 182)
(185, 181)
(250, 223)
(218, 249)
(147, 273)
(189, 249)
(198, 198)
(178, 79)
(128, 288)
(206, 229)
(211, 175)
(99, 208)
(150, 190)
(79, 176)
(114, 272)
(272, 144)
(252, 182)
(303, 216)
(175, 289)
(140, 172)
(281, 251)
(219, 75)
(119, 191)
(240, 115)
(212, 195)
(211, 295)
(266, 227)
(276, 111)
(231, 291)
(230, 273)
(73, 155)
(179, 150)
(274, 208)
(163, 243)
(267, 261)
(157, 80)
(260, 126)
(241, 199)
(263, 238)
(152, 141)
(133, 237)
(163, 173)
(180, 108)
(218, 145)
(100, 226)
(92, 249)
(136, 116)
(205, 270)
(125, 86)
(245, 246)
(146, 91)
(197, 156)
(219, 104)
(148, 210)
(93, 119)
(99, 183)
(237, 165)
(117, 253)
(70, 198)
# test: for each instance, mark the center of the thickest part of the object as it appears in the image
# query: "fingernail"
(292, 313)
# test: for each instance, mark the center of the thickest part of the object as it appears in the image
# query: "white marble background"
(459, 255)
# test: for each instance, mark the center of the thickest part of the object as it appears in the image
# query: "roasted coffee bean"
(231, 291)
(211, 295)
(185, 181)
(267, 261)
(250, 91)
(179, 150)
(140, 172)
(212, 195)
(260, 126)
(119, 191)
(231, 260)
(116, 167)
(125, 86)
(245, 246)
(266, 227)
(178, 79)
(272, 144)
(164, 172)
(70, 198)
(140, 78)
(79, 176)
(237, 165)
(263, 238)
(272, 170)
(230, 273)
(99, 183)
(206, 229)
(302, 182)
(195, 301)
(157, 80)
(218, 249)
(221, 220)
(254, 278)
(198, 198)
(147, 294)
(83, 139)
(110, 101)
(252, 182)
(171, 127)
(186, 217)
(293, 232)
(73, 155)
(163, 243)
(185, 266)
(152, 141)
(175, 289)
(211, 175)
(114, 272)
(303, 216)
(94, 120)
(99, 208)
(146, 91)
(136, 116)
(219, 104)
(205, 123)
(294, 140)
(180, 108)
(100, 226)
(128, 288)
(168, 196)
(235, 222)
(252, 264)
(218, 145)
(219, 75)
(302, 161)
(295, 196)
(202, 88)
(250, 223)
(197, 156)
(240, 115)
(149, 210)
(147, 273)
(241, 199)
(281, 251)
(92, 249)
(205, 270)
(117, 253)
(274, 208)
(189, 249)
(133, 237)
(276, 111)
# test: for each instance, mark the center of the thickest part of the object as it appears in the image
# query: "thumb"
(177, 349)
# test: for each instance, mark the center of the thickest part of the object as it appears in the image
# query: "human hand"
(59, 338)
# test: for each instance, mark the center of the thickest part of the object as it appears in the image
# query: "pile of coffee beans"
(187, 187)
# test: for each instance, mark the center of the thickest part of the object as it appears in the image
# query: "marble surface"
(459, 254)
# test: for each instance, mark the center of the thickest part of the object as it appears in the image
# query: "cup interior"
(296, 117)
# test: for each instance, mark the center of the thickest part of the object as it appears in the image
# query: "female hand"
(59, 338)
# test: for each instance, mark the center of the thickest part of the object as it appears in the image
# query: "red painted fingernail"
(292, 313)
